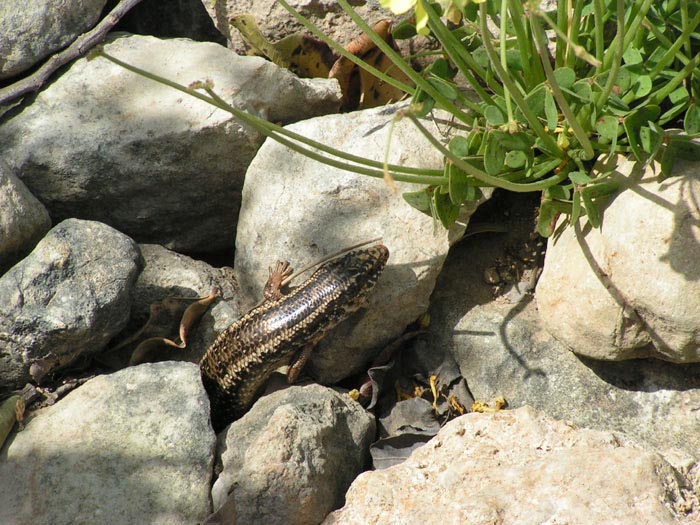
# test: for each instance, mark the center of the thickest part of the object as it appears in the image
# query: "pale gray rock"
(23, 219)
(631, 288)
(297, 209)
(292, 457)
(70, 296)
(503, 349)
(31, 31)
(522, 467)
(132, 447)
(103, 143)
(171, 276)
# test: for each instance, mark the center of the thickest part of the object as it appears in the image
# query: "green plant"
(616, 78)
(620, 78)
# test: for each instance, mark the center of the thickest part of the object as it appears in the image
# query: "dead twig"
(78, 48)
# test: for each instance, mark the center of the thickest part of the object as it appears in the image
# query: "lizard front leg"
(273, 286)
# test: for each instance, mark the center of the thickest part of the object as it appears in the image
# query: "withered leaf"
(157, 346)
(259, 45)
(304, 55)
(393, 450)
(193, 313)
(362, 89)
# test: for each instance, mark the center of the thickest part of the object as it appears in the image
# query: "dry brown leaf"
(361, 89)
(193, 313)
(155, 343)
(304, 55)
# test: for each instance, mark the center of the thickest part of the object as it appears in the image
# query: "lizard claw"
(278, 273)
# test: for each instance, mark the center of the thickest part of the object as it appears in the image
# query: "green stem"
(559, 28)
(489, 179)
(278, 133)
(270, 131)
(504, 56)
(684, 24)
(460, 56)
(513, 89)
(532, 70)
(672, 52)
(556, 91)
(575, 27)
(617, 57)
(624, 37)
(598, 30)
(578, 50)
(679, 77)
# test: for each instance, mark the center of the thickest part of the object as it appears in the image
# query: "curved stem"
(280, 134)
(504, 55)
(489, 179)
(675, 81)
(461, 57)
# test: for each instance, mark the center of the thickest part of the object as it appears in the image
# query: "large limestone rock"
(31, 31)
(308, 210)
(105, 144)
(522, 467)
(132, 447)
(631, 288)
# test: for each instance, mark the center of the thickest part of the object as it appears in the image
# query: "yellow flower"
(399, 7)
(452, 8)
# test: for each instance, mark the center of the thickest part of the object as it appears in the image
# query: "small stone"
(291, 458)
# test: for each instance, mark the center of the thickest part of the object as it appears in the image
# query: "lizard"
(283, 329)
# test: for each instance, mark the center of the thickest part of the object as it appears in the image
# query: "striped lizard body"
(239, 362)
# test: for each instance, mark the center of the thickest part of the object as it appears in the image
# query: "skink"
(286, 327)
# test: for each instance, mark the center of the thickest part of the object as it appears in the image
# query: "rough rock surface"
(132, 447)
(172, 276)
(23, 219)
(503, 349)
(71, 295)
(31, 31)
(292, 457)
(105, 144)
(632, 288)
(308, 210)
(522, 467)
